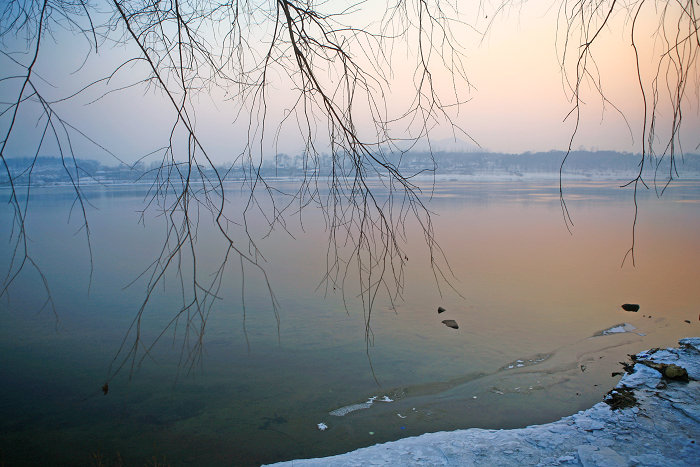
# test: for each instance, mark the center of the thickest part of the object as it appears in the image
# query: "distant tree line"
(50, 170)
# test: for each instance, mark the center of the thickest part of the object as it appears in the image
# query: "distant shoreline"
(417, 165)
(438, 178)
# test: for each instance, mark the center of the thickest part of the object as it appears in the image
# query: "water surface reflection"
(532, 295)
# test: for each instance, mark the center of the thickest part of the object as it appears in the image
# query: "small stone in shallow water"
(450, 323)
(441, 309)
(630, 307)
(270, 421)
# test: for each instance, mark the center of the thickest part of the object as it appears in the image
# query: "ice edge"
(662, 428)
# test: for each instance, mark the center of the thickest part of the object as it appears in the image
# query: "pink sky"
(518, 102)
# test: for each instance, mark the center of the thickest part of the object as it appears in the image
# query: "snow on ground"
(656, 423)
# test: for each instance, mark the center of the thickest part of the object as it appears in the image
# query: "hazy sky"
(521, 99)
(518, 102)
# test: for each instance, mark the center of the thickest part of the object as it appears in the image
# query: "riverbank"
(649, 419)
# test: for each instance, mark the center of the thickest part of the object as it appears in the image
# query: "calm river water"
(533, 298)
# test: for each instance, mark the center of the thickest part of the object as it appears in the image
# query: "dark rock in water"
(628, 367)
(669, 371)
(676, 372)
(630, 307)
(441, 309)
(620, 398)
(450, 323)
(687, 321)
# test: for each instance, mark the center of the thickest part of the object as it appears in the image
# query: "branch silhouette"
(336, 68)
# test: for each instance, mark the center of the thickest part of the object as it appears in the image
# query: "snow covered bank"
(656, 423)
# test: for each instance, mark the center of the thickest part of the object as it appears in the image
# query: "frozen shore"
(655, 422)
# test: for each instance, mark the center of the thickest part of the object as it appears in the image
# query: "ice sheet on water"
(523, 362)
(341, 412)
(618, 329)
(354, 407)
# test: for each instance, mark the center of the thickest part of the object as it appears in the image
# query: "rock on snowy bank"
(660, 427)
